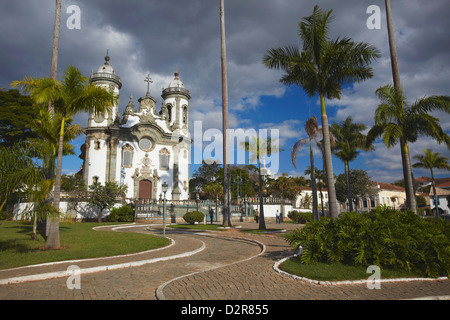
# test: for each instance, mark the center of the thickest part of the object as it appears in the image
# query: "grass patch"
(79, 241)
(257, 231)
(337, 271)
(214, 227)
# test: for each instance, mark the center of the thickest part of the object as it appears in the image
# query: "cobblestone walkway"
(227, 265)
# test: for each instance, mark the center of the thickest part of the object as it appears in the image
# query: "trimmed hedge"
(384, 237)
(194, 216)
(300, 217)
(121, 214)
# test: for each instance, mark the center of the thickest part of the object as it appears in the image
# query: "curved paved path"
(189, 253)
(256, 279)
(218, 266)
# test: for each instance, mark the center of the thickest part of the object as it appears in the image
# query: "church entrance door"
(145, 190)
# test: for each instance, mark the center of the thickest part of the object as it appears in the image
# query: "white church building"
(144, 147)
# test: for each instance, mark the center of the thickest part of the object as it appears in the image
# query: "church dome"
(106, 67)
(176, 83)
(176, 87)
(105, 73)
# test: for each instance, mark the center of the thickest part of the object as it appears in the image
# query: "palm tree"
(73, 95)
(55, 46)
(392, 47)
(313, 131)
(322, 68)
(348, 140)
(258, 148)
(226, 156)
(395, 122)
(406, 161)
(432, 160)
(47, 127)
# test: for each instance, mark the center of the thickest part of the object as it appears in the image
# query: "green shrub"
(383, 237)
(194, 216)
(121, 214)
(300, 217)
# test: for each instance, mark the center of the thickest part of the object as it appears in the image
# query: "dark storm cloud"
(160, 35)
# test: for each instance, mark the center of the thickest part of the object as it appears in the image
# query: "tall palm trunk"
(332, 201)
(407, 171)
(349, 188)
(313, 183)
(409, 182)
(262, 223)
(55, 47)
(226, 156)
(52, 224)
(52, 241)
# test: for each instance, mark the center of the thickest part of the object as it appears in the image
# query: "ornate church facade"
(144, 147)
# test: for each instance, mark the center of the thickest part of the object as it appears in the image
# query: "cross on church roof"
(148, 80)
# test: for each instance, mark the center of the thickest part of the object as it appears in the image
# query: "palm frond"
(296, 148)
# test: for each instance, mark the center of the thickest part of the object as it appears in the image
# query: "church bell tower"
(105, 77)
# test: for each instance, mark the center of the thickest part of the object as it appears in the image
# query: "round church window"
(145, 144)
(99, 118)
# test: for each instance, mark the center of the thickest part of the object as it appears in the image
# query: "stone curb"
(346, 282)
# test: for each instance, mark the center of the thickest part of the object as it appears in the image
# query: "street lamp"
(164, 190)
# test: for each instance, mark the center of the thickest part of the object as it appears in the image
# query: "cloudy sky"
(158, 36)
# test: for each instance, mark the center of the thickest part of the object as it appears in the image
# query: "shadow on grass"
(16, 246)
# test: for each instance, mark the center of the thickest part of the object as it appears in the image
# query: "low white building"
(442, 195)
(304, 199)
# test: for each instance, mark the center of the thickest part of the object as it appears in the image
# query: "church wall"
(97, 161)
(108, 117)
(177, 112)
(137, 163)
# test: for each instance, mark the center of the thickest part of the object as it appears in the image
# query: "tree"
(18, 171)
(258, 148)
(432, 160)
(213, 190)
(47, 128)
(73, 95)
(361, 186)
(323, 67)
(349, 139)
(206, 174)
(16, 114)
(287, 187)
(321, 183)
(396, 121)
(55, 45)
(105, 196)
(313, 131)
(74, 185)
(226, 150)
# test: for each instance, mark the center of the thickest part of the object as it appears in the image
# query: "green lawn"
(337, 271)
(79, 241)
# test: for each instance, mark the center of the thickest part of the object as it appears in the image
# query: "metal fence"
(150, 209)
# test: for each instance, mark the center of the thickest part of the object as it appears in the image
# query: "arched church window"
(127, 156)
(97, 145)
(95, 179)
(164, 155)
(169, 112)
